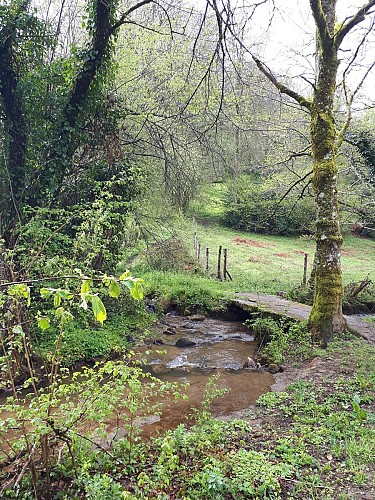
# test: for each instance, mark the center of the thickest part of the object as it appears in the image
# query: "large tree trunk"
(15, 128)
(66, 138)
(326, 316)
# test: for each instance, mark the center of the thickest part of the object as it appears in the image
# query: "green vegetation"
(124, 147)
(314, 440)
(260, 263)
(281, 340)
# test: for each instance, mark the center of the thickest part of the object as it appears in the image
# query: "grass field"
(273, 263)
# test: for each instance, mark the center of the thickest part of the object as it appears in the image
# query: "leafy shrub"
(169, 255)
(260, 209)
(281, 338)
(85, 343)
(302, 294)
(103, 487)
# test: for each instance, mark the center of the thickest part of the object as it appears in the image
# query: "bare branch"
(135, 7)
(283, 89)
(356, 19)
(350, 98)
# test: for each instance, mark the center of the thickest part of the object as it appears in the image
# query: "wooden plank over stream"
(278, 306)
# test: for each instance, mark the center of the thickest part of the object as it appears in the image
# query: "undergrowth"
(315, 440)
(281, 339)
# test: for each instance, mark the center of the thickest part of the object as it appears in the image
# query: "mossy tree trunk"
(326, 317)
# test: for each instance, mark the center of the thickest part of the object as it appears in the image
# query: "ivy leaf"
(98, 309)
(114, 289)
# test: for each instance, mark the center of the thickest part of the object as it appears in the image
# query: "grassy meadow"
(264, 263)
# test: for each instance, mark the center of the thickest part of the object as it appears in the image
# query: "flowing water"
(221, 348)
(217, 348)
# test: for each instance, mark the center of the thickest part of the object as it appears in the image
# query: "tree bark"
(326, 317)
(15, 128)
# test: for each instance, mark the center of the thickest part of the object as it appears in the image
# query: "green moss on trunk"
(326, 317)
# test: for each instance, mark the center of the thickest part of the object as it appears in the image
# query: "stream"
(214, 347)
(220, 348)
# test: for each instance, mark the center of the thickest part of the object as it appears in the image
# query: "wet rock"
(184, 342)
(160, 369)
(190, 325)
(151, 306)
(147, 420)
(250, 364)
(169, 331)
(274, 368)
(197, 317)
(158, 342)
(130, 339)
(230, 366)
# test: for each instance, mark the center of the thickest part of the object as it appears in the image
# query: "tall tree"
(326, 317)
(28, 181)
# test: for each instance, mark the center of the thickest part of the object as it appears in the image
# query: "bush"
(260, 210)
(281, 339)
(169, 255)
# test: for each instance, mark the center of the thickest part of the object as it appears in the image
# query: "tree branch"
(283, 89)
(356, 19)
(320, 19)
(122, 19)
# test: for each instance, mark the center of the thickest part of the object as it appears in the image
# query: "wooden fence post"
(225, 264)
(304, 281)
(219, 263)
(195, 236)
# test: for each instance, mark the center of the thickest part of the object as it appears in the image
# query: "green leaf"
(114, 289)
(129, 284)
(56, 300)
(65, 294)
(45, 292)
(85, 287)
(44, 323)
(98, 309)
(125, 275)
(137, 291)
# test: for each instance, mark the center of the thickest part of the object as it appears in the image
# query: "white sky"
(289, 45)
